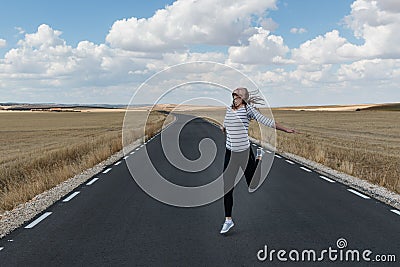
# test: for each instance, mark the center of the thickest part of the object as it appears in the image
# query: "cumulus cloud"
(209, 22)
(389, 5)
(45, 57)
(370, 69)
(378, 24)
(44, 37)
(3, 43)
(298, 30)
(263, 48)
(320, 50)
(44, 63)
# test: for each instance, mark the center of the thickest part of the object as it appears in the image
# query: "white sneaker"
(260, 152)
(227, 226)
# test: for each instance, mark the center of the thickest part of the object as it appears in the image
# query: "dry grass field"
(364, 144)
(43, 149)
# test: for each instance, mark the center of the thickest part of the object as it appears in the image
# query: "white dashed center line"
(326, 179)
(305, 169)
(358, 194)
(290, 162)
(38, 220)
(109, 169)
(116, 164)
(71, 196)
(268, 151)
(254, 145)
(92, 181)
(1, 248)
(279, 157)
(396, 211)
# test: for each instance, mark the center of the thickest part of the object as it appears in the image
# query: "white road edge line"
(305, 169)
(38, 220)
(358, 193)
(126, 157)
(137, 149)
(268, 151)
(279, 157)
(395, 211)
(116, 164)
(92, 181)
(1, 248)
(290, 162)
(327, 179)
(254, 145)
(109, 169)
(133, 152)
(71, 196)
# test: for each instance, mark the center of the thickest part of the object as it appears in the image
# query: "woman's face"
(237, 100)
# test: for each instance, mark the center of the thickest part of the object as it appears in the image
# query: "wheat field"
(43, 149)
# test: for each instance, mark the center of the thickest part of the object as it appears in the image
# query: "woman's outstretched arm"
(255, 114)
(280, 127)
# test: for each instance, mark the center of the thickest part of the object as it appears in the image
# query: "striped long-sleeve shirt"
(236, 123)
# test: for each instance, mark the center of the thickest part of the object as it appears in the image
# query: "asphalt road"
(113, 222)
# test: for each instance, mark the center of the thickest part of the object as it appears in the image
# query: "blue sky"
(88, 20)
(297, 52)
(78, 20)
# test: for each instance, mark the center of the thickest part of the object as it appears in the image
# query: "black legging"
(243, 159)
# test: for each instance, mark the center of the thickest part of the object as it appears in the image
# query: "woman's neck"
(238, 107)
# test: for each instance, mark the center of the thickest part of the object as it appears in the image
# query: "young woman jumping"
(238, 153)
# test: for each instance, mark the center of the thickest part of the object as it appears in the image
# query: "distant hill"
(385, 107)
(333, 108)
(36, 106)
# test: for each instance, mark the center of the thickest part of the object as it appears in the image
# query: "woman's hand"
(291, 131)
(280, 127)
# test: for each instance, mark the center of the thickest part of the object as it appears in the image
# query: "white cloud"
(45, 57)
(3, 43)
(378, 24)
(321, 50)
(298, 30)
(368, 70)
(211, 22)
(389, 5)
(20, 30)
(173, 58)
(44, 37)
(263, 48)
(268, 24)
